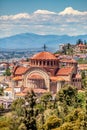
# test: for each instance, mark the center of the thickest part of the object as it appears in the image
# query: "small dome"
(44, 56)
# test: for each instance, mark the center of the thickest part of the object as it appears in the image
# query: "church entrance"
(36, 77)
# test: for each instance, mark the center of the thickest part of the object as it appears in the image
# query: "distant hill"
(30, 40)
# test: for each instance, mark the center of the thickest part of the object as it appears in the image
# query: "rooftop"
(16, 78)
(68, 60)
(44, 56)
(8, 89)
(65, 71)
(20, 70)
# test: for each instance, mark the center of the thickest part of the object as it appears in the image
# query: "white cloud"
(71, 11)
(15, 17)
(69, 21)
(43, 12)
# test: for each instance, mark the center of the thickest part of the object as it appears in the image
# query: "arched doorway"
(41, 78)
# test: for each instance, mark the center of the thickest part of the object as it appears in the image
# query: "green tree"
(29, 111)
(79, 41)
(45, 99)
(52, 122)
(1, 91)
(68, 95)
(22, 127)
(17, 106)
(7, 72)
(85, 118)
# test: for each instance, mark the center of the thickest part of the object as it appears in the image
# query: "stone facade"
(47, 72)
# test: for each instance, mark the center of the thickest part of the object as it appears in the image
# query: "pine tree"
(85, 118)
(29, 114)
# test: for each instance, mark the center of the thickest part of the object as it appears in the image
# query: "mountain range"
(31, 40)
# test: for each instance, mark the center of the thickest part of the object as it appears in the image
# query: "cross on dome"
(44, 47)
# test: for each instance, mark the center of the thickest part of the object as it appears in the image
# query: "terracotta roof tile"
(64, 71)
(44, 55)
(20, 70)
(81, 45)
(21, 94)
(8, 89)
(68, 60)
(82, 66)
(57, 78)
(16, 78)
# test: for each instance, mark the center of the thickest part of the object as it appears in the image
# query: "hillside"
(30, 40)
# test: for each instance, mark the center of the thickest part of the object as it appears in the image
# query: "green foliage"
(1, 107)
(67, 94)
(79, 41)
(73, 121)
(29, 111)
(45, 98)
(84, 83)
(52, 122)
(7, 72)
(22, 127)
(67, 112)
(4, 123)
(82, 61)
(1, 91)
(81, 99)
(83, 75)
(17, 106)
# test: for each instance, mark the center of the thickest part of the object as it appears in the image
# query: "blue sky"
(43, 17)
(29, 6)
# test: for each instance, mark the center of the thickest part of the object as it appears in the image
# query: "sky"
(60, 17)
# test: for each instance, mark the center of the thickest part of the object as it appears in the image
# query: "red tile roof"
(57, 78)
(16, 78)
(20, 70)
(21, 94)
(8, 89)
(81, 45)
(64, 71)
(82, 66)
(68, 60)
(44, 56)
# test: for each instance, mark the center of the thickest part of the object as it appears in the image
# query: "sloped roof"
(20, 70)
(82, 66)
(21, 94)
(44, 56)
(57, 78)
(81, 45)
(16, 78)
(64, 71)
(9, 89)
(68, 60)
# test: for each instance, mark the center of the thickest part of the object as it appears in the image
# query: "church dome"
(44, 56)
(44, 59)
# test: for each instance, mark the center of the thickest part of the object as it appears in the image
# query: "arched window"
(40, 62)
(48, 63)
(51, 62)
(43, 62)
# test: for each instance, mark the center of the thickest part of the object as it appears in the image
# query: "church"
(44, 73)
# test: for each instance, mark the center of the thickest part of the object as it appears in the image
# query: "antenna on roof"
(44, 47)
